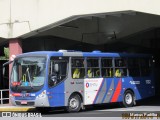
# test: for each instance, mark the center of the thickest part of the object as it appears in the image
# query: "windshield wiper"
(29, 77)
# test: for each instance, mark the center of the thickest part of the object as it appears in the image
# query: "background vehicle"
(75, 79)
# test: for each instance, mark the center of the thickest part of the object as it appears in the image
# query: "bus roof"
(84, 54)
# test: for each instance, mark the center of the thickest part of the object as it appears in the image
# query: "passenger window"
(145, 67)
(93, 69)
(107, 67)
(120, 67)
(134, 67)
(78, 68)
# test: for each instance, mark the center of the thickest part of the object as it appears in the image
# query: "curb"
(17, 109)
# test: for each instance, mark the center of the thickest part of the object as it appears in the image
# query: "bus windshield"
(28, 71)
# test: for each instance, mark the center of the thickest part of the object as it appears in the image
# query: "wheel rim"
(73, 103)
(128, 98)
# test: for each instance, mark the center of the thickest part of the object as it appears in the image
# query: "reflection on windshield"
(28, 71)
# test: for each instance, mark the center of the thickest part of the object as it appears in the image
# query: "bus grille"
(28, 103)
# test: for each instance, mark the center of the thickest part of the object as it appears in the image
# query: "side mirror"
(56, 68)
(6, 63)
(3, 71)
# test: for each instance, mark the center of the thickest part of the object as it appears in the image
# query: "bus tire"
(74, 103)
(128, 99)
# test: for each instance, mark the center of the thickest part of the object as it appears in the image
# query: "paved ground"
(151, 105)
(108, 112)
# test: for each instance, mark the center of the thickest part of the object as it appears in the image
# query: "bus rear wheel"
(74, 103)
(128, 99)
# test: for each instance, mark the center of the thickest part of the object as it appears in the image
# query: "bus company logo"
(87, 85)
(25, 95)
(91, 85)
(135, 82)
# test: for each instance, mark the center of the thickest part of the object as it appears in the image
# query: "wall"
(22, 16)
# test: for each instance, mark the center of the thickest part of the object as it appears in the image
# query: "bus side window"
(120, 67)
(133, 67)
(93, 69)
(107, 67)
(145, 67)
(78, 69)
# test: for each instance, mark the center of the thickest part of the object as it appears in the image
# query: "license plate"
(24, 102)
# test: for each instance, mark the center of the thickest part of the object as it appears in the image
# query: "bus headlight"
(42, 94)
(10, 95)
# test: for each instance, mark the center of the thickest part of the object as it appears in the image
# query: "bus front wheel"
(128, 99)
(74, 103)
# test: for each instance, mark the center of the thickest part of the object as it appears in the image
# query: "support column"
(15, 48)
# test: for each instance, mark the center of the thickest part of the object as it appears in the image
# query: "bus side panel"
(117, 96)
(94, 90)
(125, 84)
(56, 95)
(102, 90)
(139, 85)
(146, 87)
(73, 86)
(133, 84)
(109, 90)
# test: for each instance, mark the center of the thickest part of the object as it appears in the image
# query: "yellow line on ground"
(18, 109)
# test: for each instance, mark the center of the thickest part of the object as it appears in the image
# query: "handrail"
(1, 95)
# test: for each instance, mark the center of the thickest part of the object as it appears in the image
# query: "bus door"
(57, 75)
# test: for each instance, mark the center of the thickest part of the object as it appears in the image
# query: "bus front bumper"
(38, 102)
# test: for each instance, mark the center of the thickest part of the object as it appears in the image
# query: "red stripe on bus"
(117, 92)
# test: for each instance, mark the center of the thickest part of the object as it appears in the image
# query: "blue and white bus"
(76, 79)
